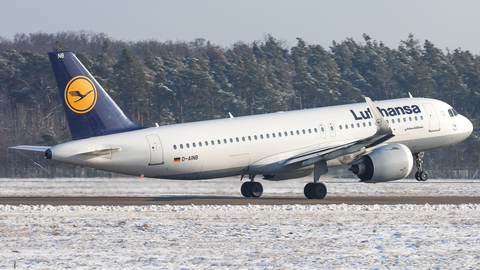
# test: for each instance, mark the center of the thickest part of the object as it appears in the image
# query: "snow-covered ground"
(137, 186)
(237, 237)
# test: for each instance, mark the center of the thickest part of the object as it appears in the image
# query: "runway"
(231, 200)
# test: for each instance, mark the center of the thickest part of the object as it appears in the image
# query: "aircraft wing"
(31, 148)
(383, 134)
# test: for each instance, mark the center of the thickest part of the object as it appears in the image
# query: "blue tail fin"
(90, 110)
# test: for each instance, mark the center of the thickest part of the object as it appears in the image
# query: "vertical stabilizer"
(90, 110)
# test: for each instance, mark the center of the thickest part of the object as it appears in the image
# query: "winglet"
(382, 126)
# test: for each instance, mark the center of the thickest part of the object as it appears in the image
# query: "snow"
(236, 236)
(140, 187)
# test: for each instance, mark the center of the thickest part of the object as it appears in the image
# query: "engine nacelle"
(386, 163)
(289, 175)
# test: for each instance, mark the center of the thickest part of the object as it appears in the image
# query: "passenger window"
(323, 130)
(291, 133)
(358, 125)
(364, 125)
(225, 141)
(249, 138)
(181, 146)
(352, 126)
(285, 133)
(303, 131)
(206, 143)
(268, 136)
(404, 119)
(236, 139)
(421, 117)
(393, 121)
(213, 142)
(255, 137)
(331, 128)
(410, 119)
(219, 142)
(279, 134)
(273, 135)
(309, 131)
(261, 136)
(188, 145)
(200, 144)
(346, 126)
(194, 145)
(243, 138)
(370, 124)
(231, 140)
(416, 118)
(388, 122)
(398, 120)
(340, 126)
(174, 147)
(315, 129)
(298, 132)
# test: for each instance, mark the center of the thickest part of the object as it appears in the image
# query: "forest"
(177, 82)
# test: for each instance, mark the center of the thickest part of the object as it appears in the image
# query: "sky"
(447, 24)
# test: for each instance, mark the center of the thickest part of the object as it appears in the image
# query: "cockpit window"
(452, 112)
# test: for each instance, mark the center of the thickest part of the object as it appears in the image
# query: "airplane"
(380, 141)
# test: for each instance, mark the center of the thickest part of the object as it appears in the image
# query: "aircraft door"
(156, 150)
(323, 131)
(331, 127)
(432, 117)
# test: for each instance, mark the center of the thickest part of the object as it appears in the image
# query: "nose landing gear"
(420, 175)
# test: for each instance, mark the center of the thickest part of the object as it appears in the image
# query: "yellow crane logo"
(80, 94)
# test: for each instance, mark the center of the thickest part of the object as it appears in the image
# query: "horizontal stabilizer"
(103, 151)
(31, 148)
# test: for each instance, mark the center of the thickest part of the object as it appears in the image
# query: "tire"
(308, 191)
(256, 189)
(246, 189)
(417, 176)
(319, 191)
(423, 176)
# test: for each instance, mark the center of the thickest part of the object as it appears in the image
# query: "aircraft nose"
(466, 126)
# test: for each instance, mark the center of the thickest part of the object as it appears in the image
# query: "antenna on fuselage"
(410, 95)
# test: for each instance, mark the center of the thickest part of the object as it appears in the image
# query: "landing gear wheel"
(420, 175)
(423, 176)
(308, 191)
(257, 189)
(315, 191)
(417, 176)
(246, 189)
(252, 189)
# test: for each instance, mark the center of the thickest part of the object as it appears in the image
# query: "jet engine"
(386, 163)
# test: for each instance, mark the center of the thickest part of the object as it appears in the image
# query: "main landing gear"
(420, 175)
(315, 190)
(252, 189)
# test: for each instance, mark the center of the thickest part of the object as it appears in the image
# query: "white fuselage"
(257, 144)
